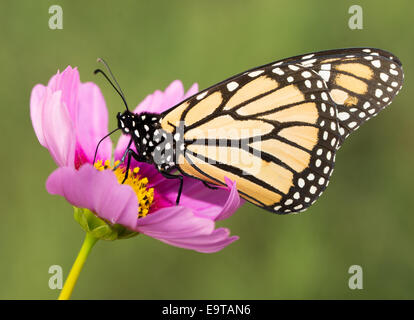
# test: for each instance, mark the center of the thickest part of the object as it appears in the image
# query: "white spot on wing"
(201, 95)
(376, 63)
(308, 56)
(288, 202)
(306, 74)
(255, 73)
(326, 66)
(325, 75)
(308, 63)
(232, 85)
(343, 116)
(278, 71)
(378, 93)
(384, 77)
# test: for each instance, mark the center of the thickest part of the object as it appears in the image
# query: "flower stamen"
(139, 184)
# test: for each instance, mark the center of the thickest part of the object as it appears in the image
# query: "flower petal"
(36, 111)
(192, 91)
(233, 201)
(59, 137)
(173, 94)
(216, 241)
(68, 82)
(152, 103)
(160, 101)
(179, 227)
(215, 204)
(98, 191)
(92, 122)
(174, 222)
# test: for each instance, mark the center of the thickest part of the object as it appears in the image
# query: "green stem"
(73, 276)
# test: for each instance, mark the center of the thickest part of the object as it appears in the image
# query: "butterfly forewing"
(275, 129)
(291, 136)
(361, 81)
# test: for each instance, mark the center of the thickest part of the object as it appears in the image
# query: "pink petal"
(174, 222)
(215, 204)
(151, 103)
(216, 241)
(58, 134)
(98, 191)
(157, 102)
(160, 101)
(192, 91)
(173, 94)
(121, 146)
(68, 82)
(179, 227)
(233, 201)
(36, 111)
(70, 126)
(92, 122)
(144, 104)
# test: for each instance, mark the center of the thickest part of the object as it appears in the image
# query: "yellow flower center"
(144, 194)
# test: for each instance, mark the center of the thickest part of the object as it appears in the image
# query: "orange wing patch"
(295, 158)
(251, 90)
(283, 96)
(304, 136)
(225, 127)
(245, 186)
(305, 112)
(174, 117)
(203, 108)
(351, 83)
(359, 69)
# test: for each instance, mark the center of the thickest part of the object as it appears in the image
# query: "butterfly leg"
(210, 187)
(123, 156)
(173, 176)
(131, 153)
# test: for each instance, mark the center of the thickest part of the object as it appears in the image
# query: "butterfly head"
(127, 121)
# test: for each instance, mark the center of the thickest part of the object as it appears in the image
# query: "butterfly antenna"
(96, 150)
(116, 86)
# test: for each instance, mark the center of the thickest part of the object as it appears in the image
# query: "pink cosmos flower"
(70, 117)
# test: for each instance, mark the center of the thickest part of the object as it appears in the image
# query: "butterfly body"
(147, 135)
(287, 119)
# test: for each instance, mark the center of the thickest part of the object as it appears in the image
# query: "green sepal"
(99, 228)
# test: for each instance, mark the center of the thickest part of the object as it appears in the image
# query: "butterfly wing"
(275, 129)
(361, 81)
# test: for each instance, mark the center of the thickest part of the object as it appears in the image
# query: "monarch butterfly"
(303, 107)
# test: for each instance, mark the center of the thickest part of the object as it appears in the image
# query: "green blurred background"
(364, 218)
